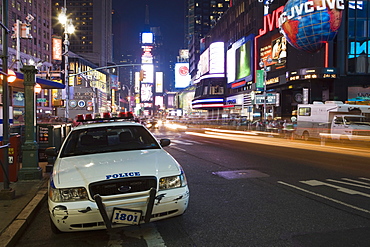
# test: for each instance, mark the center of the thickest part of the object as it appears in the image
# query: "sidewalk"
(16, 214)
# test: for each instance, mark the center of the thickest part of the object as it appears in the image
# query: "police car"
(113, 173)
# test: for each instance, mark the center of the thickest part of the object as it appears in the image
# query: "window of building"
(358, 27)
(216, 90)
(205, 90)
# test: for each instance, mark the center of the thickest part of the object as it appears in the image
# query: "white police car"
(113, 174)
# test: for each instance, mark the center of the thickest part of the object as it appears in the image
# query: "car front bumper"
(94, 215)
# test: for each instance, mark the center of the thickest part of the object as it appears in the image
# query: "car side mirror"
(165, 142)
(51, 151)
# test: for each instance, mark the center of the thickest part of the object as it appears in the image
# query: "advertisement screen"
(159, 82)
(149, 72)
(274, 50)
(146, 92)
(182, 76)
(203, 66)
(147, 38)
(216, 58)
(159, 102)
(57, 48)
(239, 60)
(243, 61)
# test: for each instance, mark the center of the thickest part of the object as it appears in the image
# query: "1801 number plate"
(126, 216)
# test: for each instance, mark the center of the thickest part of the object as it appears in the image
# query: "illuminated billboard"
(149, 72)
(203, 66)
(240, 60)
(147, 38)
(159, 102)
(147, 56)
(217, 58)
(182, 76)
(273, 51)
(146, 93)
(57, 48)
(159, 82)
(308, 25)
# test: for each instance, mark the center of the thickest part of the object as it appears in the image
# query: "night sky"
(129, 22)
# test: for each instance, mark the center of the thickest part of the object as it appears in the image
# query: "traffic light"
(25, 31)
(142, 75)
(15, 33)
(79, 80)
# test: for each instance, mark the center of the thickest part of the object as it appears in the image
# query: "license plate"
(126, 216)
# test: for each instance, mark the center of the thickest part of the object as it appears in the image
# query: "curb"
(19, 225)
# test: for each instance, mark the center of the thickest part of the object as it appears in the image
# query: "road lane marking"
(182, 142)
(351, 184)
(177, 148)
(325, 197)
(340, 189)
(149, 233)
(153, 238)
(356, 181)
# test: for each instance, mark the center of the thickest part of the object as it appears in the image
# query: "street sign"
(260, 80)
(39, 100)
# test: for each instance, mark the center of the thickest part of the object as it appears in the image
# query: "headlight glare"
(172, 182)
(68, 194)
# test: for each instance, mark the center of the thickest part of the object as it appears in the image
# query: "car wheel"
(344, 139)
(54, 229)
(305, 136)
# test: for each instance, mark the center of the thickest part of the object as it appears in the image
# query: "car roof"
(107, 124)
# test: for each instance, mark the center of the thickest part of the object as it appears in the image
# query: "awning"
(44, 83)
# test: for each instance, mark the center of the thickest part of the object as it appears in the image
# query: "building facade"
(257, 51)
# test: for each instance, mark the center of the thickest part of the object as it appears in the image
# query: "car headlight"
(68, 194)
(172, 182)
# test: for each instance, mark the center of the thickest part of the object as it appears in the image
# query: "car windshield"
(108, 139)
(356, 120)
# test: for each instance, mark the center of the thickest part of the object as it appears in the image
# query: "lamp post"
(129, 95)
(68, 29)
(265, 69)
(30, 166)
(5, 99)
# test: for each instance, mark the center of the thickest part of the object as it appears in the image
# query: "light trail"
(226, 135)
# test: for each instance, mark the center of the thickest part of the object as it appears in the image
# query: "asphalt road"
(249, 191)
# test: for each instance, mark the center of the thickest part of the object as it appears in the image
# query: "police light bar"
(106, 116)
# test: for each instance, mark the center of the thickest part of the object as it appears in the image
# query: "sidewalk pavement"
(16, 214)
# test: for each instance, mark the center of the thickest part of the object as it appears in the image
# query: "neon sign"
(358, 48)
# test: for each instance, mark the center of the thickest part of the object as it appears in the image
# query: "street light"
(129, 95)
(265, 69)
(68, 29)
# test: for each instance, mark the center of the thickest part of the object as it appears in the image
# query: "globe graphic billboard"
(308, 25)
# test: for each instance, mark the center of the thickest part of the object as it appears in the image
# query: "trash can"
(14, 152)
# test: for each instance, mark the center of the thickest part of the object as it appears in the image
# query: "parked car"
(113, 174)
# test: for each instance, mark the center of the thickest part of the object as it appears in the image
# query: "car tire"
(54, 229)
(306, 136)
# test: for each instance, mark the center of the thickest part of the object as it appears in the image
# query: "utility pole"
(7, 192)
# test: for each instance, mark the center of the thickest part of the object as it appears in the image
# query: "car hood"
(84, 169)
